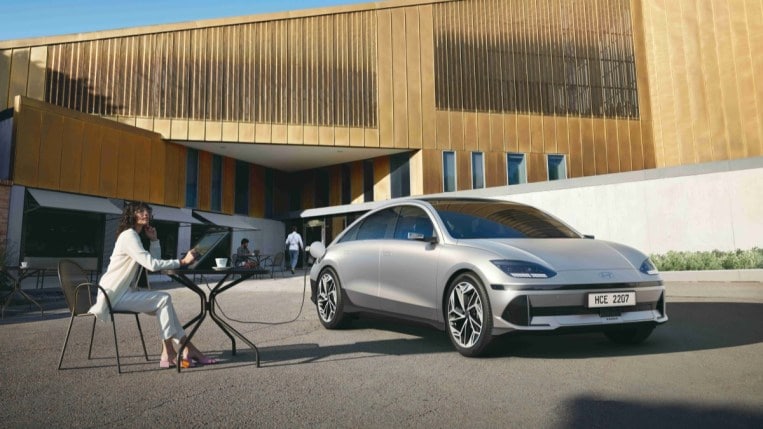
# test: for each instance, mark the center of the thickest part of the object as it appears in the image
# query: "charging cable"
(262, 322)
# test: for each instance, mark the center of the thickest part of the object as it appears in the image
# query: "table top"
(226, 270)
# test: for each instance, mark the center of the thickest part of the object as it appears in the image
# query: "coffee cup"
(221, 262)
(24, 264)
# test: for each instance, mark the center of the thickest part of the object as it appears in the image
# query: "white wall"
(704, 207)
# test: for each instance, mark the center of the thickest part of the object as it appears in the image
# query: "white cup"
(221, 262)
(24, 264)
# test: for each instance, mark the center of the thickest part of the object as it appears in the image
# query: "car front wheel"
(470, 319)
(329, 301)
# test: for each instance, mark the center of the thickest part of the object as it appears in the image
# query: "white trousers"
(155, 303)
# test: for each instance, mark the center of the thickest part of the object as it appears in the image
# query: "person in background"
(118, 282)
(294, 242)
(243, 253)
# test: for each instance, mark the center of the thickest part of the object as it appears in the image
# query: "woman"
(126, 260)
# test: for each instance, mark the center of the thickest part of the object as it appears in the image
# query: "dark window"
(191, 178)
(448, 171)
(321, 188)
(346, 184)
(557, 169)
(413, 223)
(241, 203)
(517, 168)
(400, 175)
(217, 182)
(375, 226)
(368, 180)
(478, 170)
(269, 189)
(481, 219)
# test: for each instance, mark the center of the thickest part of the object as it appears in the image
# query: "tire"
(629, 335)
(468, 315)
(330, 301)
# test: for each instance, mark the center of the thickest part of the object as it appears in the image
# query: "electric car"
(479, 268)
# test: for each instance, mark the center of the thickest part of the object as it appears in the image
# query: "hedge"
(712, 260)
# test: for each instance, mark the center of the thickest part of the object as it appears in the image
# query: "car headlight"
(648, 267)
(524, 269)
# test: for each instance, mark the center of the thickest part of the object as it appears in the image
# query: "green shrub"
(714, 260)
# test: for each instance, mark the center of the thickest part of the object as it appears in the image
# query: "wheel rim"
(327, 297)
(465, 315)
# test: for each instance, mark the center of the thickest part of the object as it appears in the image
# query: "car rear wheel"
(630, 335)
(330, 302)
(470, 319)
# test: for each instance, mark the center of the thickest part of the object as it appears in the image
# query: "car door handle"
(386, 253)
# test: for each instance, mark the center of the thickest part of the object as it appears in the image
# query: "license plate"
(611, 299)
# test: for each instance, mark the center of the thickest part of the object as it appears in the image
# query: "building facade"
(266, 116)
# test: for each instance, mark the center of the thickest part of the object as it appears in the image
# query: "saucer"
(220, 268)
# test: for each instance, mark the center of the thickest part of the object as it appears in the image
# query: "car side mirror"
(317, 250)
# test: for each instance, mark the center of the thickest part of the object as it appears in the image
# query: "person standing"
(128, 256)
(294, 242)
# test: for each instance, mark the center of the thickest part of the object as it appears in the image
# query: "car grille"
(520, 311)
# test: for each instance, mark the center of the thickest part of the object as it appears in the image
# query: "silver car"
(479, 268)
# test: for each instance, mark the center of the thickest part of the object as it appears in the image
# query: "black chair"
(80, 295)
(275, 264)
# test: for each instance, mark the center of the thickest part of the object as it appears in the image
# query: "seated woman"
(126, 260)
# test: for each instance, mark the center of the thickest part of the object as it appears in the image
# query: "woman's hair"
(127, 220)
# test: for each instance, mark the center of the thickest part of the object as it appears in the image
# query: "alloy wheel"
(327, 297)
(465, 315)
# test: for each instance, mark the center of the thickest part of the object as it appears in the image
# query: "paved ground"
(703, 369)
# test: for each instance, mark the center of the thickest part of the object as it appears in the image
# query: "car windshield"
(498, 219)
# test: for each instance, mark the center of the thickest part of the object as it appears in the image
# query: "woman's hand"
(150, 232)
(188, 258)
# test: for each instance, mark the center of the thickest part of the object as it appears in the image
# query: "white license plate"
(611, 299)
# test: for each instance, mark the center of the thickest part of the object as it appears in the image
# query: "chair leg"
(116, 343)
(92, 334)
(66, 341)
(140, 331)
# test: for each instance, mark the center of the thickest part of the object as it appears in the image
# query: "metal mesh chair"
(79, 294)
(275, 264)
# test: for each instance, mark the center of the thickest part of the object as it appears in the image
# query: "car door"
(358, 259)
(408, 266)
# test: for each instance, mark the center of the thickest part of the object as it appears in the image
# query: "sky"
(21, 19)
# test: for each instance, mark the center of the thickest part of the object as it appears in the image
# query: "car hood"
(563, 254)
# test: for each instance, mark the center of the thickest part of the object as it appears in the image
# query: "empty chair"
(80, 295)
(275, 264)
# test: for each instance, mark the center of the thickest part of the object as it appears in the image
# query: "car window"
(351, 234)
(499, 220)
(375, 226)
(413, 223)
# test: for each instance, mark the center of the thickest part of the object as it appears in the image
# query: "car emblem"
(606, 275)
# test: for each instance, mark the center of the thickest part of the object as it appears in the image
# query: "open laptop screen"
(206, 245)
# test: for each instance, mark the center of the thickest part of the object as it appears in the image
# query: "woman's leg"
(160, 304)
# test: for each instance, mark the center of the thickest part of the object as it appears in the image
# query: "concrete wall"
(694, 208)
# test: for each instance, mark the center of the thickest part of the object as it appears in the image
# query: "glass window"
(270, 184)
(368, 180)
(241, 203)
(517, 169)
(217, 183)
(375, 226)
(400, 175)
(557, 168)
(448, 171)
(191, 178)
(478, 170)
(498, 219)
(413, 223)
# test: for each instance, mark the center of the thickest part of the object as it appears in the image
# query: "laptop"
(205, 247)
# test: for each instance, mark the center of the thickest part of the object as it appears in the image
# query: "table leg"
(17, 289)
